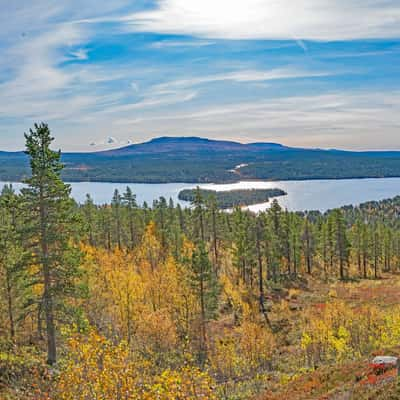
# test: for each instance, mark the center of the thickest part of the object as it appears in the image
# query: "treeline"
(231, 198)
(352, 242)
(127, 300)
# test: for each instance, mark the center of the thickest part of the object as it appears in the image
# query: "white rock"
(385, 360)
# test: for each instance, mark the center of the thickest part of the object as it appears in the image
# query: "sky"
(107, 73)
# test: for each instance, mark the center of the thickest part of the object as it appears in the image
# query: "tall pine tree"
(51, 223)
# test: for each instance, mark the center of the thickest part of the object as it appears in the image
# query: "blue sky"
(312, 73)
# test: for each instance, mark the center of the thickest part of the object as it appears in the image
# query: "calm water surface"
(302, 195)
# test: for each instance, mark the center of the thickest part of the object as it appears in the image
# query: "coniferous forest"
(124, 301)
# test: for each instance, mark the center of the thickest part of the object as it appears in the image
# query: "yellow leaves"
(306, 340)
(225, 358)
(391, 332)
(293, 293)
(248, 348)
(95, 368)
(187, 249)
(256, 343)
(341, 343)
(327, 334)
(149, 252)
(332, 294)
(98, 369)
(236, 295)
(140, 296)
(189, 383)
(156, 332)
(337, 331)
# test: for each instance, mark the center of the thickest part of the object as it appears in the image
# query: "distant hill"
(198, 160)
(192, 144)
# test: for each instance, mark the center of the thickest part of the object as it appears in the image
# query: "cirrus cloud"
(271, 19)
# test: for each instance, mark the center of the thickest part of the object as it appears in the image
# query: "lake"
(301, 195)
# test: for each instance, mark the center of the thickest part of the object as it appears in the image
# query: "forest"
(231, 198)
(121, 302)
(199, 160)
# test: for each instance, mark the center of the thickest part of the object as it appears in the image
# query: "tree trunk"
(47, 296)
(215, 244)
(132, 231)
(10, 307)
(260, 280)
(203, 334)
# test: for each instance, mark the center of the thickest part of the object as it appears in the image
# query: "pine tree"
(261, 298)
(160, 208)
(308, 244)
(365, 249)
(89, 210)
(357, 243)
(324, 247)
(198, 214)
(273, 240)
(342, 243)
(129, 200)
(206, 289)
(51, 221)
(116, 205)
(243, 245)
(12, 256)
(213, 207)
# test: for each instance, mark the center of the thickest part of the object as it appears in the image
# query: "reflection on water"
(301, 195)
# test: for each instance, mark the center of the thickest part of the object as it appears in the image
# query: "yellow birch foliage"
(95, 368)
(337, 331)
(141, 296)
(189, 383)
(246, 349)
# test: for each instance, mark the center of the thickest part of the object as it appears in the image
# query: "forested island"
(119, 301)
(231, 198)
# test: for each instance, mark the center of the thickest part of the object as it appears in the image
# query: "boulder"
(381, 364)
(385, 360)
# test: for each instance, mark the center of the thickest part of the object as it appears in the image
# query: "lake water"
(301, 195)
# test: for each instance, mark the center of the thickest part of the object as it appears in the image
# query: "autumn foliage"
(128, 301)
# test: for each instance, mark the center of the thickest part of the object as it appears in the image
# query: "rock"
(381, 364)
(385, 360)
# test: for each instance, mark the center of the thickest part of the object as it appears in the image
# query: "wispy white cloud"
(80, 54)
(244, 76)
(340, 120)
(135, 86)
(35, 76)
(48, 71)
(151, 101)
(271, 19)
(352, 54)
(180, 43)
(34, 82)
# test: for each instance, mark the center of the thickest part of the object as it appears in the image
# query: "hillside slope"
(193, 159)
